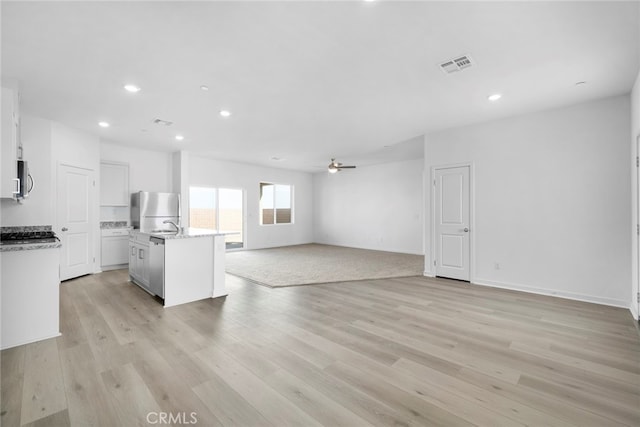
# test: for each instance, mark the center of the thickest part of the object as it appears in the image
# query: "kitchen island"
(178, 267)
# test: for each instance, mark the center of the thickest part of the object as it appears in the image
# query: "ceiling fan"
(336, 167)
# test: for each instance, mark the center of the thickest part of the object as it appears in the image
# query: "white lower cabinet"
(139, 260)
(30, 309)
(114, 249)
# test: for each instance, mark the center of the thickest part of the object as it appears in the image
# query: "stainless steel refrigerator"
(151, 212)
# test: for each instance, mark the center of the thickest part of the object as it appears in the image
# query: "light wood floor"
(402, 352)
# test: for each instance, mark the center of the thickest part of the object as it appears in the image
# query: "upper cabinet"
(11, 144)
(114, 184)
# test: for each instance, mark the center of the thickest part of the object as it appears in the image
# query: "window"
(275, 204)
(218, 209)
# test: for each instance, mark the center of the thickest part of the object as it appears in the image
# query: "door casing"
(472, 216)
(635, 300)
(91, 246)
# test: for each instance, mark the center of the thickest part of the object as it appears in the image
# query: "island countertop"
(184, 233)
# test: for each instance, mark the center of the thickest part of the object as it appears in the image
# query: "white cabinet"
(114, 184)
(139, 259)
(115, 248)
(10, 143)
(30, 296)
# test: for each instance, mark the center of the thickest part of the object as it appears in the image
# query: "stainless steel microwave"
(24, 180)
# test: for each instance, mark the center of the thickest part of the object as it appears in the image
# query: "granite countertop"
(30, 246)
(185, 233)
(113, 224)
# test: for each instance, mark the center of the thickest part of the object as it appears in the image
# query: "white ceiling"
(307, 81)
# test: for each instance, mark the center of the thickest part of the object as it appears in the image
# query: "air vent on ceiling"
(456, 64)
(162, 122)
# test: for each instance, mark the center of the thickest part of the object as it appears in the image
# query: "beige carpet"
(313, 263)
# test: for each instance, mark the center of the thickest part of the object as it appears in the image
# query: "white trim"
(552, 292)
(472, 216)
(31, 341)
(634, 307)
(428, 274)
(94, 212)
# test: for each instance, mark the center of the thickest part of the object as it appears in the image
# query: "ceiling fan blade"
(335, 166)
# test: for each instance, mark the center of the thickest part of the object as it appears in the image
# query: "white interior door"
(452, 228)
(75, 188)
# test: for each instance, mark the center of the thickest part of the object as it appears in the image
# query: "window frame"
(216, 191)
(291, 203)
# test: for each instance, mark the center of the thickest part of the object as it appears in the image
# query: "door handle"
(65, 229)
(141, 253)
(466, 230)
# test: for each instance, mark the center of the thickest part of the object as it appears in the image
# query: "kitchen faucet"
(168, 221)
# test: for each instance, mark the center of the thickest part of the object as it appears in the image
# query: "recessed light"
(103, 124)
(205, 88)
(225, 113)
(179, 137)
(132, 88)
(494, 97)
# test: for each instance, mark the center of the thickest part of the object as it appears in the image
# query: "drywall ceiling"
(307, 81)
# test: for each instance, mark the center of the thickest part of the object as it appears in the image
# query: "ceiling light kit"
(103, 124)
(204, 88)
(225, 113)
(494, 97)
(179, 137)
(335, 166)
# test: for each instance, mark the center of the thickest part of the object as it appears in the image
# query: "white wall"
(180, 184)
(73, 147)
(374, 207)
(206, 172)
(38, 208)
(552, 202)
(148, 170)
(635, 133)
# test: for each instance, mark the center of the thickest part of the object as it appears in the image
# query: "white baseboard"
(16, 344)
(428, 274)
(554, 293)
(633, 308)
